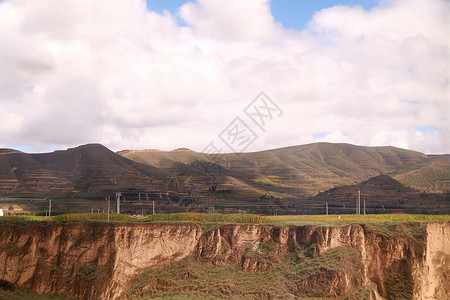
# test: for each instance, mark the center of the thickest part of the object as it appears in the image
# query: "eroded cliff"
(117, 261)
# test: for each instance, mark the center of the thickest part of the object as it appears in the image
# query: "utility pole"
(109, 204)
(153, 207)
(50, 208)
(358, 203)
(118, 194)
(364, 207)
(213, 209)
(326, 205)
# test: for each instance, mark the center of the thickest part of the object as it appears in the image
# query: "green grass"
(92, 217)
(92, 274)
(349, 219)
(268, 180)
(68, 217)
(26, 294)
(24, 219)
(181, 296)
(416, 231)
(210, 220)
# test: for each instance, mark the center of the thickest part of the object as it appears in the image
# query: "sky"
(224, 75)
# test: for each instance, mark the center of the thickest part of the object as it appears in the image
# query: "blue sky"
(426, 129)
(292, 14)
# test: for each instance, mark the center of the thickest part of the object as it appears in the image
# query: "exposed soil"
(89, 260)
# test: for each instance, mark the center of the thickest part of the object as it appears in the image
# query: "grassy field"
(178, 217)
(234, 218)
(348, 219)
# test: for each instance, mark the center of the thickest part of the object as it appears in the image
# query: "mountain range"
(308, 175)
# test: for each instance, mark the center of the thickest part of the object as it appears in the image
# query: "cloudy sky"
(168, 74)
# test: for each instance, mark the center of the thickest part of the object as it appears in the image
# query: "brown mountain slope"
(88, 169)
(383, 194)
(299, 170)
(432, 175)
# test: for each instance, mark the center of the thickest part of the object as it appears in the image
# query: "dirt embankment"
(103, 261)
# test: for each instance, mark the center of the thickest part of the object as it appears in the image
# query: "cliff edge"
(89, 260)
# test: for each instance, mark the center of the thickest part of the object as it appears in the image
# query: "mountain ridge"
(90, 168)
(312, 161)
(283, 176)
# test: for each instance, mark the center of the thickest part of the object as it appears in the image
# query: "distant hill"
(88, 169)
(306, 170)
(431, 175)
(298, 176)
(382, 194)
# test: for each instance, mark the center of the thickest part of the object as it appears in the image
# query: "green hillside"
(305, 170)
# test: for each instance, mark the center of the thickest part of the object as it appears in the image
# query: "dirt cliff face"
(89, 260)
(435, 272)
(99, 260)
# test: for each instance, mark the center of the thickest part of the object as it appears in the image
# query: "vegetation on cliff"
(202, 218)
(300, 273)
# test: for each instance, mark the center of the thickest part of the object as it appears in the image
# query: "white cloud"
(78, 71)
(231, 19)
(336, 137)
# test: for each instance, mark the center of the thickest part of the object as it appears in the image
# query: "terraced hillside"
(88, 169)
(383, 194)
(431, 175)
(308, 169)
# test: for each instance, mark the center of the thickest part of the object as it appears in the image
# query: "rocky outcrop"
(101, 261)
